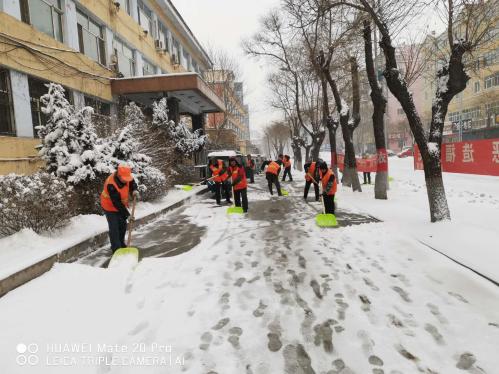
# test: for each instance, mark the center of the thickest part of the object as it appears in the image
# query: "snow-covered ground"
(472, 237)
(272, 293)
(26, 247)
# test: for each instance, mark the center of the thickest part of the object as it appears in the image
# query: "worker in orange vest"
(311, 176)
(220, 175)
(114, 200)
(329, 187)
(272, 175)
(239, 183)
(250, 168)
(287, 168)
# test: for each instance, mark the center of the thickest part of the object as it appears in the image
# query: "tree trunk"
(350, 175)
(332, 143)
(439, 209)
(379, 106)
(307, 152)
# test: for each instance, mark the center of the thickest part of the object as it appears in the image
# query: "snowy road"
(267, 293)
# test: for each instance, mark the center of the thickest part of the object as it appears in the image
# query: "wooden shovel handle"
(130, 224)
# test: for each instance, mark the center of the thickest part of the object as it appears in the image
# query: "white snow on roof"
(159, 75)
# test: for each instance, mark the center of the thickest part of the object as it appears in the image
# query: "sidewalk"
(26, 248)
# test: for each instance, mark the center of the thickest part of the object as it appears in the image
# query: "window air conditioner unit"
(158, 44)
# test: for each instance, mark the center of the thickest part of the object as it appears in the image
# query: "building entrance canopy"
(193, 94)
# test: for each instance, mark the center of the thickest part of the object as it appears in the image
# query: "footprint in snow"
(239, 282)
(433, 331)
(221, 324)
(258, 312)
(402, 293)
(140, 327)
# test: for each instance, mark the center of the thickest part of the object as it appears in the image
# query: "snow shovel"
(189, 187)
(129, 256)
(234, 209)
(284, 192)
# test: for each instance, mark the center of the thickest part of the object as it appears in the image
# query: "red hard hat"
(125, 173)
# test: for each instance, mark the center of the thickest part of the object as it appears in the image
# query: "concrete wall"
(18, 155)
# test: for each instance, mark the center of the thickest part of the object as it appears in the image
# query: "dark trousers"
(307, 187)
(238, 194)
(117, 229)
(250, 174)
(219, 186)
(273, 179)
(287, 171)
(367, 177)
(329, 204)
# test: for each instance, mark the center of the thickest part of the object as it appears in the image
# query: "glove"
(324, 194)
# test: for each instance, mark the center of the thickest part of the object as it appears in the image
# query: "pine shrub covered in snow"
(186, 141)
(70, 144)
(39, 202)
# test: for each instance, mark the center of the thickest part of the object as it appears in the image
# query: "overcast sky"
(223, 24)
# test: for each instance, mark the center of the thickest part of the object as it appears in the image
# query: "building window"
(491, 81)
(6, 107)
(148, 68)
(476, 87)
(38, 88)
(91, 38)
(163, 36)
(100, 107)
(125, 58)
(175, 52)
(125, 5)
(195, 66)
(145, 17)
(187, 60)
(44, 15)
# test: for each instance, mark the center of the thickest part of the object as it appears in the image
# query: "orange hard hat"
(125, 173)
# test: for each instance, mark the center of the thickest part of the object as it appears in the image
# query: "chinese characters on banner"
(367, 164)
(470, 157)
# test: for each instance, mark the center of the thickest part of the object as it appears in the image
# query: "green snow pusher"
(234, 209)
(284, 192)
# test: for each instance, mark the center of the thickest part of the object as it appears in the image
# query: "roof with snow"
(194, 95)
(224, 154)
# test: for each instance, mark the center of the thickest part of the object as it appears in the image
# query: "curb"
(71, 254)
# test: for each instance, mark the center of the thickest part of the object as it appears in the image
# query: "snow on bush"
(186, 141)
(69, 141)
(39, 202)
(126, 149)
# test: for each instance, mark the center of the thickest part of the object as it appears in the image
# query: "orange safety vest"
(216, 170)
(287, 164)
(311, 172)
(273, 168)
(239, 172)
(325, 180)
(105, 200)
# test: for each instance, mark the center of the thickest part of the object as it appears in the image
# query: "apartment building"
(473, 113)
(105, 53)
(231, 127)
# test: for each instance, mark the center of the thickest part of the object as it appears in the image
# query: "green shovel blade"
(126, 251)
(235, 210)
(284, 192)
(390, 179)
(326, 220)
(187, 188)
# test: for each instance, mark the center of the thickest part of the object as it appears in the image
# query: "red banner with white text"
(470, 157)
(366, 164)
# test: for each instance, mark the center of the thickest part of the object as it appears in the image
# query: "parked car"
(405, 152)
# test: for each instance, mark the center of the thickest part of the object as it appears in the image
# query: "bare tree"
(276, 41)
(379, 107)
(468, 25)
(278, 136)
